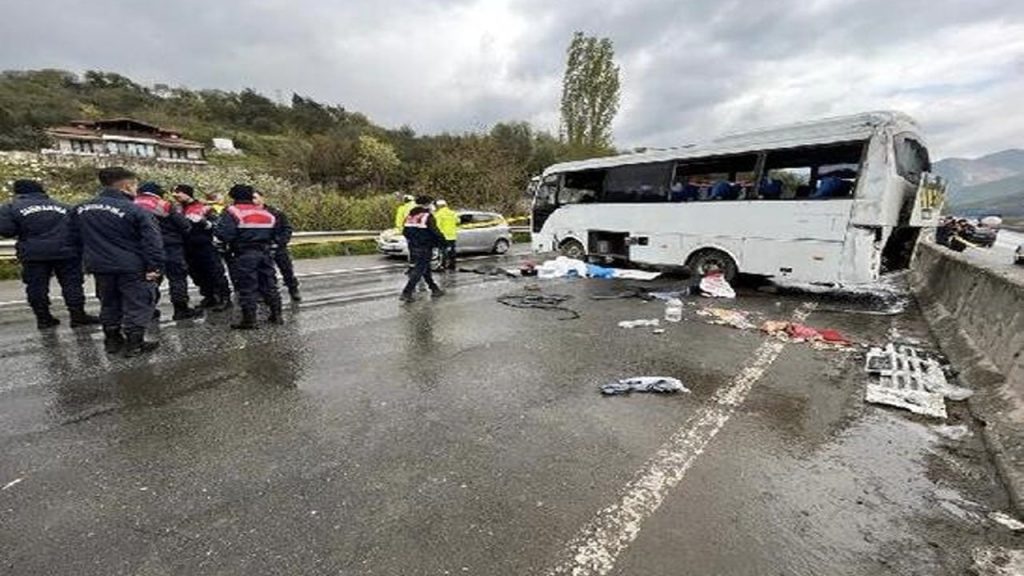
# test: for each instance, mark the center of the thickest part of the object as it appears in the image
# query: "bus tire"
(703, 261)
(572, 249)
(501, 246)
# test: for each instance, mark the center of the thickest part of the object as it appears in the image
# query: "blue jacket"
(246, 227)
(421, 231)
(115, 236)
(40, 224)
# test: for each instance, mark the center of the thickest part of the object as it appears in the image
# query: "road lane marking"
(598, 545)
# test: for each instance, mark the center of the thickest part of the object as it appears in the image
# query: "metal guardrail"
(313, 237)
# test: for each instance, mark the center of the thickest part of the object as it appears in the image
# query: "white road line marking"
(599, 543)
(14, 482)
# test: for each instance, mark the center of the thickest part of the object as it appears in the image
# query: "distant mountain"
(960, 172)
(991, 184)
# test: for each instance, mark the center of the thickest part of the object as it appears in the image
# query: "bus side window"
(582, 187)
(811, 173)
(638, 183)
(722, 178)
(911, 158)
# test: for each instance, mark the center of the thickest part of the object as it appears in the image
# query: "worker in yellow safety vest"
(408, 203)
(448, 224)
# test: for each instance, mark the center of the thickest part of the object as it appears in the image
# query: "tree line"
(312, 143)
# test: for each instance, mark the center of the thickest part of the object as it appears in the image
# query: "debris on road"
(796, 332)
(954, 433)
(997, 561)
(564, 267)
(539, 301)
(674, 310)
(1006, 520)
(653, 322)
(714, 285)
(12, 483)
(658, 331)
(656, 384)
(725, 317)
(490, 270)
(909, 379)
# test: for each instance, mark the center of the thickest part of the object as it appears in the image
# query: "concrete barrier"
(977, 315)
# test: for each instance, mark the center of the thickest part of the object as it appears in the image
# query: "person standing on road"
(175, 229)
(249, 231)
(448, 224)
(421, 236)
(123, 249)
(201, 256)
(40, 225)
(408, 203)
(282, 257)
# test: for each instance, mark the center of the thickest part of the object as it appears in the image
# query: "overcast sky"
(690, 68)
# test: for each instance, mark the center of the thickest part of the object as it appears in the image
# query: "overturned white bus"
(836, 201)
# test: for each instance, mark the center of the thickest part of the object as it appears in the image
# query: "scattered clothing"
(595, 271)
(714, 285)
(656, 384)
(564, 267)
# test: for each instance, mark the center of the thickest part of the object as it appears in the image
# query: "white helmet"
(439, 203)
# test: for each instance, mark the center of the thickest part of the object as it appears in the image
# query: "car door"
(472, 232)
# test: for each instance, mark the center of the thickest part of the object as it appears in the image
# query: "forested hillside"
(303, 141)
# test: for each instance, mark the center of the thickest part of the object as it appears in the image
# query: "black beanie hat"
(151, 188)
(186, 190)
(241, 193)
(28, 187)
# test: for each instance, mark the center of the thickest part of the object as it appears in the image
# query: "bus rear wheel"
(704, 261)
(572, 249)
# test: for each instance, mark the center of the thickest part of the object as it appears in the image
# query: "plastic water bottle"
(674, 310)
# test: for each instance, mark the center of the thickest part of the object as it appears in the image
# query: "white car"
(479, 232)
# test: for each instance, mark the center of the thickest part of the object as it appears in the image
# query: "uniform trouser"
(448, 255)
(420, 270)
(254, 278)
(206, 269)
(125, 300)
(283, 260)
(36, 277)
(176, 272)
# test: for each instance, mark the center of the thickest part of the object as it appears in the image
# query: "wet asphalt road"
(464, 437)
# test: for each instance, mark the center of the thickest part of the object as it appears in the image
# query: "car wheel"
(704, 261)
(572, 249)
(501, 246)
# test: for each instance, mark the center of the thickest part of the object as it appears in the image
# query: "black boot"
(437, 292)
(276, 316)
(208, 302)
(293, 292)
(113, 339)
(45, 320)
(248, 320)
(183, 312)
(80, 318)
(135, 343)
(223, 303)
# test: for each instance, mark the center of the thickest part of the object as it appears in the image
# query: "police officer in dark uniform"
(40, 224)
(249, 231)
(124, 250)
(282, 257)
(174, 228)
(203, 260)
(421, 236)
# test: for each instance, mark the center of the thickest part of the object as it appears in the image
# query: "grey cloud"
(690, 69)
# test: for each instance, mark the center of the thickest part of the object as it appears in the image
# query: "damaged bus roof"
(825, 131)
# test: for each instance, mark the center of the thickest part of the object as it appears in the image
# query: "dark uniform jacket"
(115, 236)
(202, 220)
(421, 231)
(40, 224)
(283, 228)
(246, 227)
(173, 225)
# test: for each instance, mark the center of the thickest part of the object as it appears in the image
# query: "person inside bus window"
(771, 189)
(724, 190)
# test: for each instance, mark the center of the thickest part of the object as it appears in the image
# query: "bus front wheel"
(572, 249)
(704, 261)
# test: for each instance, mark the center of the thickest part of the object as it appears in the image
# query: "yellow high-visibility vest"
(447, 222)
(402, 213)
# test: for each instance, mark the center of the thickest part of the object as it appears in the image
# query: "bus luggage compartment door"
(608, 244)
